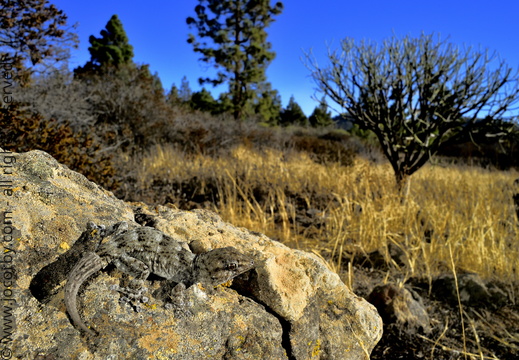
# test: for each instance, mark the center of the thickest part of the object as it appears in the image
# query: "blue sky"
(158, 32)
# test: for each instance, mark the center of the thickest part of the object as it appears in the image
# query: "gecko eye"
(232, 266)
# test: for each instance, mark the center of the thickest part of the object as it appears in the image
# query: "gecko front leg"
(178, 299)
(135, 290)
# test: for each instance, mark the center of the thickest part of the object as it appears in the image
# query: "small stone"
(400, 305)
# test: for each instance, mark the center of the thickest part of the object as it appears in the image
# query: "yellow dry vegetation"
(464, 211)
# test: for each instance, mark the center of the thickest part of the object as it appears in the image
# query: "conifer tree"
(203, 101)
(321, 116)
(232, 37)
(293, 114)
(180, 97)
(185, 91)
(268, 106)
(128, 99)
(173, 97)
(111, 50)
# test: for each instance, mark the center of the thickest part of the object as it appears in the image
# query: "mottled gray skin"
(143, 251)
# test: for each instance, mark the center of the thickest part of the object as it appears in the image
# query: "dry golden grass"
(466, 212)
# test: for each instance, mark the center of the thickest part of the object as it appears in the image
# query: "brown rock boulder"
(400, 306)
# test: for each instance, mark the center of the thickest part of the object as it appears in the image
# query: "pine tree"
(185, 91)
(203, 101)
(268, 106)
(111, 50)
(321, 116)
(156, 83)
(173, 97)
(224, 103)
(293, 114)
(180, 97)
(238, 44)
(130, 104)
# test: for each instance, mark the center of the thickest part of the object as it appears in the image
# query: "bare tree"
(416, 94)
(57, 95)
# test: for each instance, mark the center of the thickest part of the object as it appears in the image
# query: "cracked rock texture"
(291, 306)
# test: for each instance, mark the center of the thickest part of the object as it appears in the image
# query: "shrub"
(324, 151)
(22, 130)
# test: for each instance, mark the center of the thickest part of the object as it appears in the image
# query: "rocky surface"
(291, 306)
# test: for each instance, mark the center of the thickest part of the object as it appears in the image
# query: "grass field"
(449, 214)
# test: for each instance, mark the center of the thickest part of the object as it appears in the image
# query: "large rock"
(291, 306)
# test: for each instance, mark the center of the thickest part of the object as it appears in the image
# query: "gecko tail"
(85, 267)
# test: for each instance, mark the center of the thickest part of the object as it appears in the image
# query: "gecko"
(145, 250)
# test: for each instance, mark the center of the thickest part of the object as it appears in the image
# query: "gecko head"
(218, 266)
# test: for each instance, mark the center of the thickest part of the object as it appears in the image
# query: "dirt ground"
(488, 333)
